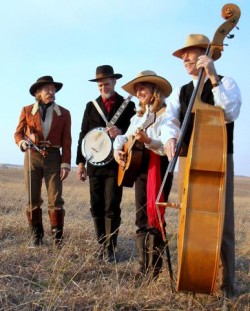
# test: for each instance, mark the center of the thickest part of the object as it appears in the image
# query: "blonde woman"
(145, 128)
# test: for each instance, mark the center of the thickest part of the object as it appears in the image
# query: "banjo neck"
(119, 111)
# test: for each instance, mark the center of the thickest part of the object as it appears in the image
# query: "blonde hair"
(157, 99)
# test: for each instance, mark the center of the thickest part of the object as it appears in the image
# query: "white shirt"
(226, 95)
(153, 131)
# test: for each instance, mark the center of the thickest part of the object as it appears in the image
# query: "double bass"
(204, 183)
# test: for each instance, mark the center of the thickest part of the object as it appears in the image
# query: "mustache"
(51, 96)
(187, 61)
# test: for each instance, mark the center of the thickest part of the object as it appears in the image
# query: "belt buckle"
(45, 144)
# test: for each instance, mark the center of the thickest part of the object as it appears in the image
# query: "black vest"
(206, 97)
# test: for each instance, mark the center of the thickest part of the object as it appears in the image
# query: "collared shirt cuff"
(20, 144)
(154, 144)
(66, 165)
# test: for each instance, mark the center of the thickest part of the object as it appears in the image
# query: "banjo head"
(97, 147)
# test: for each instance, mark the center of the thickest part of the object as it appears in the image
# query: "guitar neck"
(149, 121)
(119, 111)
(130, 143)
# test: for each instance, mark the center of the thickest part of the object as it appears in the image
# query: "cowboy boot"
(57, 223)
(155, 253)
(111, 230)
(142, 249)
(99, 225)
(34, 218)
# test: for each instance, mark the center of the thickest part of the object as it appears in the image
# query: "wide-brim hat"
(196, 40)
(105, 71)
(42, 81)
(150, 77)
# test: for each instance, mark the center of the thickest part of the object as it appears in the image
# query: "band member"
(46, 127)
(151, 90)
(105, 195)
(220, 91)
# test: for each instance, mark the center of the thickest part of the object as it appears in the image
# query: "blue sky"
(69, 39)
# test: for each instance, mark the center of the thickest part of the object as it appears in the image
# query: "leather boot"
(111, 230)
(36, 225)
(155, 253)
(57, 223)
(99, 224)
(142, 249)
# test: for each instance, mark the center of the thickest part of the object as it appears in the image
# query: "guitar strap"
(98, 108)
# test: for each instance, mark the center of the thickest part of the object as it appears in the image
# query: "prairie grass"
(71, 278)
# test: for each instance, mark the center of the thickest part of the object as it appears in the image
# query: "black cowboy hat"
(44, 80)
(105, 71)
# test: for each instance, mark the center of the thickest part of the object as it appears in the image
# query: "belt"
(46, 146)
(46, 150)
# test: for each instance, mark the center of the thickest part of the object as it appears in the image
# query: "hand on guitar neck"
(142, 136)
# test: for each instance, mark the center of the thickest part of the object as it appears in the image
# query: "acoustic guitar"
(133, 156)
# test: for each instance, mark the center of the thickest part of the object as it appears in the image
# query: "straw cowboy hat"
(42, 81)
(196, 40)
(105, 71)
(151, 77)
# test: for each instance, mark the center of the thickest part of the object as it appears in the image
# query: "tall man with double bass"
(220, 91)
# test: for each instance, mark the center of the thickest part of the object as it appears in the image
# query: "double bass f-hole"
(203, 191)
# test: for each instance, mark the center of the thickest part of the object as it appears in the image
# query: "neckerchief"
(44, 108)
(109, 102)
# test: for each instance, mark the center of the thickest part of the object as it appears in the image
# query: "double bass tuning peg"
(231, 36)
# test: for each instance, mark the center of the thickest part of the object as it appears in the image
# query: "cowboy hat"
(199, 41)
(42, 81)
(105, 71)
(150, 77)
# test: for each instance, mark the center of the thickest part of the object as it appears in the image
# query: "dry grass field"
(72, 279)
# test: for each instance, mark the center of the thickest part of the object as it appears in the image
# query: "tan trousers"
(37, 168)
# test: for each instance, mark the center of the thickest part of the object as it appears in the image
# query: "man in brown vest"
(44, 134)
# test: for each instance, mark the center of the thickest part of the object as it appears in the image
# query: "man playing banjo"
(100, 126)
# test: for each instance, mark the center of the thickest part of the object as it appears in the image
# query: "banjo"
(97, 146)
